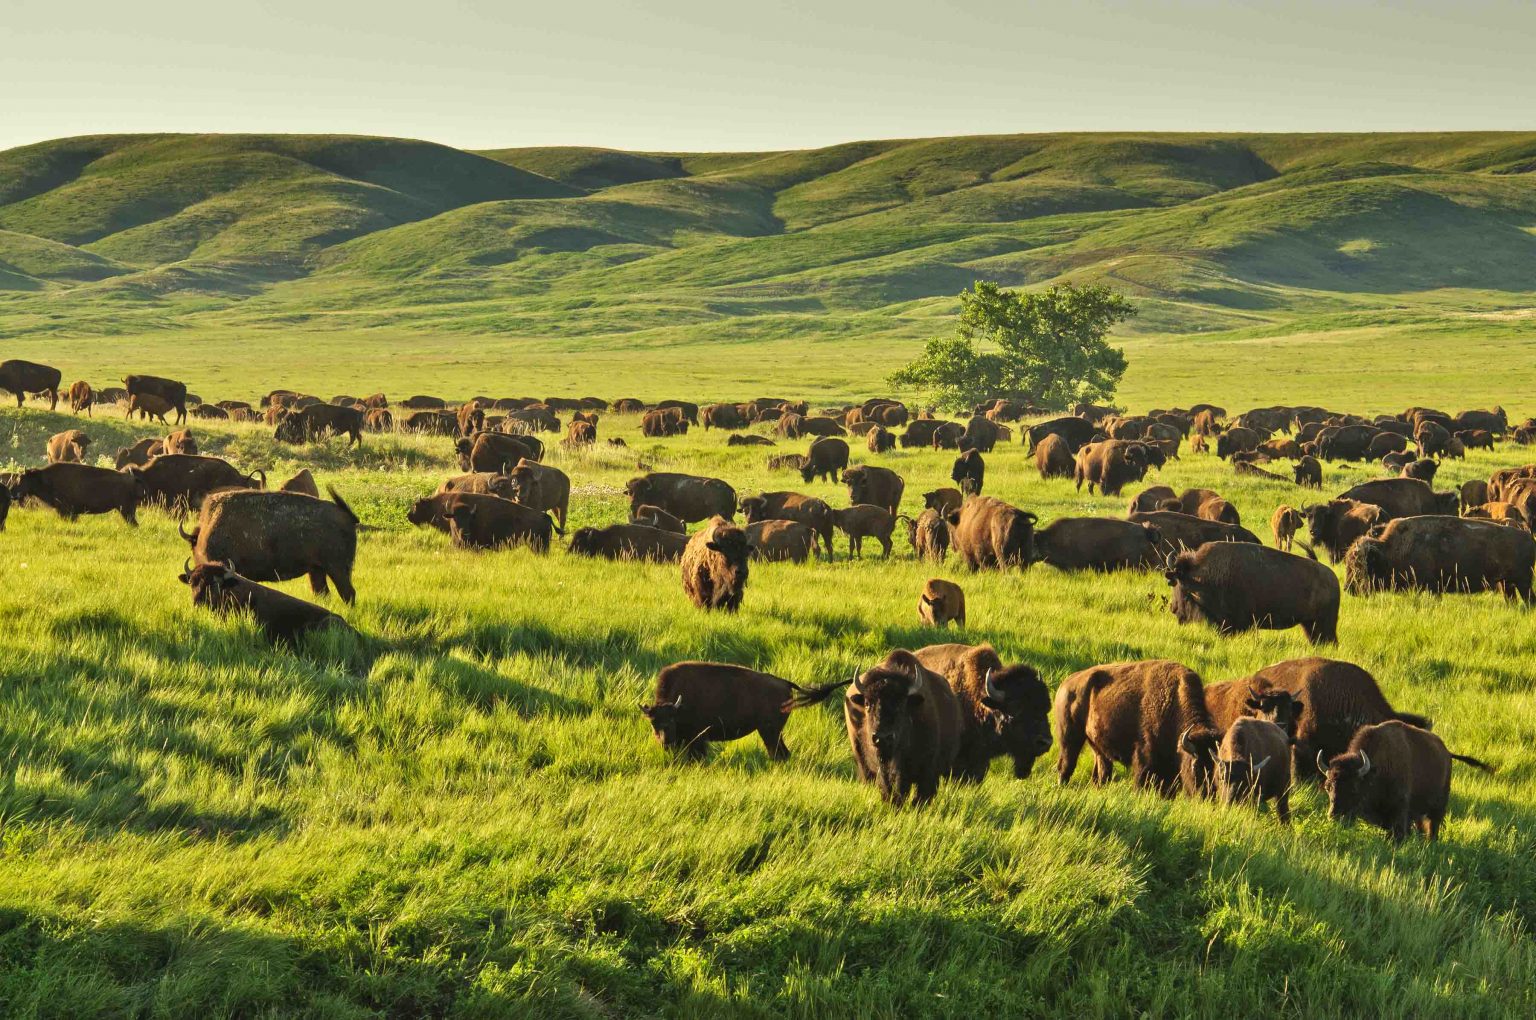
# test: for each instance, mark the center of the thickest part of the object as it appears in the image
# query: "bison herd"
(944, 710)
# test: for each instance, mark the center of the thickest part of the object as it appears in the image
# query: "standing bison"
(1237, 586)
(20, 378)
(1394, 776)
(699, 703)
(689, 498)
(277, 536)
(169, 391)
(76, 489)
(876, 486)
(904, 725)
(715, 566)
(1005, 710)
(991, 533)
(1442, 554)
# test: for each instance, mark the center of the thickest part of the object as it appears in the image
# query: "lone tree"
(1045, 348)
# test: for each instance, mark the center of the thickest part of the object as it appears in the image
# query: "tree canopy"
(1047, 348)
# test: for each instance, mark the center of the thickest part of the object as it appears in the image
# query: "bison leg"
(885, 542)
(773, 740)
(1283, 808)
(343, 581)
(130, 513)
(53, 397)
(317, 582)
(1325, 630)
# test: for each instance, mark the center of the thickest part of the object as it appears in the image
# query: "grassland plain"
(463, 813)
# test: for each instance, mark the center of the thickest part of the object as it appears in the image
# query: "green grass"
(463, 814)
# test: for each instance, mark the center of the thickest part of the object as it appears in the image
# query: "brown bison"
(689, 498)
(76, 489)
(862, 521)
(1179, 531)
(656, 517)
(497, 452)
(1207, 504)
(303, 482)
(1237, 586)
(661, 424)
(180, 441)
(81, 396)
(1074, 431)
(629, 542)
(879, 440)
(1148, 716)
(699, 703)
(1442, 554)
(378, 419)
(991, 533)
(715, 566)
(827, 457)
(946, 501)
(876, 486)
(182, 481)
(1402, 497)
(1155, 497)
(980, 435)
(486, 483)
(139, 453)
(1473, 493)
(1237, 440)
(1254, 763)
(310, 424)
(969, 472)
(1308, 473)
(282, 618)
(20, 378)
(1110, 465)
(1097, 543)
(1336, 524)
(781, 541)
(792, 506)
(929, 535)
(68, 447)
(150, 405)
(1394, 776)
(941, 603)
(1053, 457)
(277, 536)
(1004, 710)
(1503, 513)
(1285, 522)
(540, 487)
(490, 522)
(904, 725)
(737, 439)
(170, 391)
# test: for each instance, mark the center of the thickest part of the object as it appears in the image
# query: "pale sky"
(718, 74)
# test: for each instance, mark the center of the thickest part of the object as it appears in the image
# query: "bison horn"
(182, 531)
(1260, 766)
(991, 688)
(1184, 744)
(1322, 766)
(186, 566)
(1365, 762)
(677, 702)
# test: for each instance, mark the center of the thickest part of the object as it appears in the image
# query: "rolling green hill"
(223, 234)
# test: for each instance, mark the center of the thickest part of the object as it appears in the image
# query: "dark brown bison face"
(663, 717)
(1278, 707)
(753, 507)
(887, 698)
(1197, 754)
(1235, 779)
(1019, 707)
(733, 546)
(290, 429)
(421, 512)
(1346, 780)
(209, 582)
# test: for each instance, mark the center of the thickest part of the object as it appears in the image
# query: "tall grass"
(462, 813)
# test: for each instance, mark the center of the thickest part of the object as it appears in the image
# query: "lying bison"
(629, 542)
(277, 536)
(1237, 586)
(689, 498)
(1148, 716)
(1442, 554)
(781, 541)
(281, 617)
(1177, 531)
(792, 506)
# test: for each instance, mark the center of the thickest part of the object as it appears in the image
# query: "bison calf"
(698, 703)
(941, 603)
(1254, 763)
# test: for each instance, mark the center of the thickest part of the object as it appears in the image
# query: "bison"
(1285, 522)
(969, 472)
(1254, 763)
(827, 457)
(1096, 543)
(780, 541)
(81, 396)
(656, 517)
(991, 533)
(282, 618)
(1179, 531)
(1336, 524)
(941, 603)
(629, 542)
(1308, 473)
(541, 487)
(1053, 457)
(904, 725)
(1395, 776)
(699, 703)
(1442, 554)
(172, 392)
(689, 498)
(68, 447)
(76, 489)
(1237, 586)
(183, 481)
(1403, 497)
(929, 535)
(20, 378)
(490, 522)
(876, 486)
(792, 506)
(1004, 710)
(715, 566)
(302, 482)
(318, 420)
(277, 536)
(496, 452)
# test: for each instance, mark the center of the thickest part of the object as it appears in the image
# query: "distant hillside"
(1209, 230)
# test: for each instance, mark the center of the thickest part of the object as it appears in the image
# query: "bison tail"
(336, 498)
(805, 696)
(1311, 553)
(554, 524)
(1423, 722)
(1481, 766)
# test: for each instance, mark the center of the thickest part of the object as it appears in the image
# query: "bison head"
(1365, 566)
(1279, 707)
(755, 508)
(423, 511)
(211, 583)
(885, 699)
(1018, 709)
(1345, 781)
(1197, 759)
(663, 717)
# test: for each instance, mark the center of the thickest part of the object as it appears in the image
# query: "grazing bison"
(781, 541)
(929, 535)
(486, 483)
(1207, 504)
(309, 424)
(969, 472)
(1110, 465)
(722, 416)
(379, 419)
(150, 405)
(496, 452)
(303, 482)
(941, 603)
(172, 392)
(490, 522)
(827, 457)
(991, 533)
(689, 498)
(1442, 554)
(282, 618)
(139, 453)
(946, 501)
(1287, 520)
(699, 703)
(792, 506)
(1237, 586)
(1336, 524)
(1402, 497)
(210, 412)
(183, 481)
(1308, 473)
(1254, 763)
(1432, 439)
(1004, 710)
(862, 521)
(715, 566)
(68, 447)
(1423, 470)
(76, 489)
(1154, 497)
(1148, 716)
(81, 396)
(629, 542)
(980, 434)
(1097, 543)
(880, 440)
(1473, 493)
(1394, 776)
(876, 486)
(1179, 531)
(1237, 440)
(1347, 443)
(20, 378)
(1503, 513)
(1328, 700)
(904, 725)
(277, 536)
(660, 425)
(1053, 457)
(540, 487)
(1074, 431)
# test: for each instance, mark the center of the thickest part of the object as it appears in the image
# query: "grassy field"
(463, 813)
